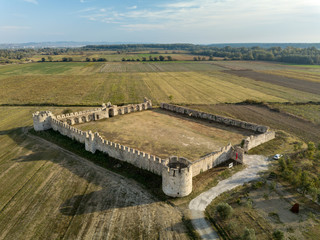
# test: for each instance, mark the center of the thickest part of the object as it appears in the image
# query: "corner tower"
(42, 120)
(177, 177)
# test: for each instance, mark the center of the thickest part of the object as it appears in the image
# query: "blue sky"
(187, 21)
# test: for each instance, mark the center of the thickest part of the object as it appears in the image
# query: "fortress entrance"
(111, 112)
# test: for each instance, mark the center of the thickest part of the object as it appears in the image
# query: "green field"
(309, 112)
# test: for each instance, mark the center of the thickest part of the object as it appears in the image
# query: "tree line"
(310, 55)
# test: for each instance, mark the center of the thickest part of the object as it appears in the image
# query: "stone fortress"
(176, 172)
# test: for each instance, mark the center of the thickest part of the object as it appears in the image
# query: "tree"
(50, 59)
(278, 235)
(70, 59)
(161, 58)
(150, 58)
(170, 59)
(102, 60)
(144, 59)
(155, 59)
(64, 59)
(123, 59)
(195, 59)
(88, 59)
(249, 234)
(94, 59)
(311, 149)
(43, 59)
(224, 210)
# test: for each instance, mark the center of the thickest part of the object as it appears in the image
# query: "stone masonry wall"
(176, 172)
(215, 118)
(106, 111)
(256, 140)
(211, 160)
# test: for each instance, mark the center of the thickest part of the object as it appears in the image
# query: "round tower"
(177, 177)
(42, 120)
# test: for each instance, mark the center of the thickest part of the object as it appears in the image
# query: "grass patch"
(244, 216)
(283, 143)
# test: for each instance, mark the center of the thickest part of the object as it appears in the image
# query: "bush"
(224, 210)
(65, 111)
(249, 234)
(278, 235)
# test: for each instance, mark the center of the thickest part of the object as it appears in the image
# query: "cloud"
(9, 28)
(247, 18)
(132, 7)
(32, 1)
(87, 10)
(143, 27)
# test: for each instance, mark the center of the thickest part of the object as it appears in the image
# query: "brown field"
(49, 193)
(301, 85)
(262, 115)
(164, 134)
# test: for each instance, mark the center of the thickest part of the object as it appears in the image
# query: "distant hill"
(266, 45)
(60, 44)
(121, 45)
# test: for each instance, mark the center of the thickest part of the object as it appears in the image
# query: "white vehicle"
(277, 156)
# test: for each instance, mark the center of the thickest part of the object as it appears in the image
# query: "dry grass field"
(309, 112)
(178, 82)
(48, 193)
(162, 133)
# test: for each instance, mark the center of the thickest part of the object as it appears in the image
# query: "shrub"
(249, 234)
(65, 111)
(224, 210)
(278, 235)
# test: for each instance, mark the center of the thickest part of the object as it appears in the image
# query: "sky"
(155, 21)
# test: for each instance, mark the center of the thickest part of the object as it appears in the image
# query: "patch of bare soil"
(301, 85)
(276, 207)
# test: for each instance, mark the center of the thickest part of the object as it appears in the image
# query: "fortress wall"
(256, 140)
(211, 160)
(93, 142)
(68, 131)
(135, 157)
(215, 118)
(102, 113)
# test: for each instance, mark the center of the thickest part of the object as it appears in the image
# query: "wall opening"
(111, 112)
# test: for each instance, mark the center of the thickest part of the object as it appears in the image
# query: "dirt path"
(197, 206)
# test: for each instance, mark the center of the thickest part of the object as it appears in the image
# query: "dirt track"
(301, 85)
(262, 115)
(255, 164)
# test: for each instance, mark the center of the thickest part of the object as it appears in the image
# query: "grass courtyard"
(164, 134)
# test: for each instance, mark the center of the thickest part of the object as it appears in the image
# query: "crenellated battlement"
(215, 118)
(176, 172)
(42, 120)
(177, 177)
